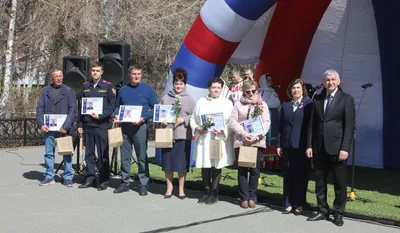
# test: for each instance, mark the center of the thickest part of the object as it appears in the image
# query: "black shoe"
(298, 211)
(286, 211)
(318, 217)
(204, 197)
(87, 184)
(166, 196)
(103, 186)
(122, 188)
(143, 190)
(338, 220)
(213, 198)
(182, 197)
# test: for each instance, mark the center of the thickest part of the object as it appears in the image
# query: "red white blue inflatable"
(303, 38)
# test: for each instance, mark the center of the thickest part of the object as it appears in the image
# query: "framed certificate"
(129, 113)
(254, 126)
(164, 113)
(216, 120)
(54, 121)
(92, 105)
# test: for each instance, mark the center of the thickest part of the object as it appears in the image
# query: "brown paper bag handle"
(59, 136)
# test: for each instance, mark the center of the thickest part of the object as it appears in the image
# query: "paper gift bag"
(115, 138)
(247, 157)
(215, 149)
(64, 145)
(164, 138)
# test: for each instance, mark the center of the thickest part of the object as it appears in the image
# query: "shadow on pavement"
(33, 175)
(173, 228)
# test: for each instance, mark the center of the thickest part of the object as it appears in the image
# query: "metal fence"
(24, 132)
(20, 132)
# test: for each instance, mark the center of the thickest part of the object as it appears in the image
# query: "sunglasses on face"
(252, 91)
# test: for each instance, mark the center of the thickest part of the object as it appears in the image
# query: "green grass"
(377, 190)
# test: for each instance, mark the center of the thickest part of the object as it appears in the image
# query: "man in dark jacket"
(330, 135)
(95, 129)
(56, 98)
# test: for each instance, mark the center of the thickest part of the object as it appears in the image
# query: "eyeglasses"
(251, 91)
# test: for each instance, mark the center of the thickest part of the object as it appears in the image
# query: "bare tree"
(154, 28)
(9, 57)
(45, 31)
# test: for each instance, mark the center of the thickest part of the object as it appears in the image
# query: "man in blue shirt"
(135, 93)
(56, 98)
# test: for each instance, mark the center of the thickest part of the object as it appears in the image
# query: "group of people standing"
(321, 130)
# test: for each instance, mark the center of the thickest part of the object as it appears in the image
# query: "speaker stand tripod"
(114, 164)
(116, 174)
(352, 195)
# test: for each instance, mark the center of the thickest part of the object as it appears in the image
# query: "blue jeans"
(50, 145)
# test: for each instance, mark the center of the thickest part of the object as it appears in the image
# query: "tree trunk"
(95, 39)
(9, 59)
(30, 77)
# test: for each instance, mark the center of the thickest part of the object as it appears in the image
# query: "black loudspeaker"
(115, 57)
(310, 90)
(76, 71)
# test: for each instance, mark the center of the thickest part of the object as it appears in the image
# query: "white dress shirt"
(331, 96)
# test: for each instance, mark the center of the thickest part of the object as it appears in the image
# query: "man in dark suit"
(90, 107)
(53, 122)
(330, 135)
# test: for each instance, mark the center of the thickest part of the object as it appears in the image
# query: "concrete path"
(27, 207)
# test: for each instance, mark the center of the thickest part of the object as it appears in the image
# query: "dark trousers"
(295, 177)
(97, 137)
(248, 185)
(138, 136)
(323, 163)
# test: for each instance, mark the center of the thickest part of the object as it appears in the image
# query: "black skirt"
(177, 158)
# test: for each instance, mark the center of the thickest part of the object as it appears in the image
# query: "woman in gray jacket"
(177, 158)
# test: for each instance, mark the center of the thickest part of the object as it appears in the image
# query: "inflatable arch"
(303, 38)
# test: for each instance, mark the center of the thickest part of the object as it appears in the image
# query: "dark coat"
(293, 126)
(104, 90)
(65, 105)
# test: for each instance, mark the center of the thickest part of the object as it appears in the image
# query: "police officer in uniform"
(95, 129)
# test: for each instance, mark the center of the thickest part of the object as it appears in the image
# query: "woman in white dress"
(210, 165)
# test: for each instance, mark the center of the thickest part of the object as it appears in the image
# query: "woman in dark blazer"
(292, 144)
